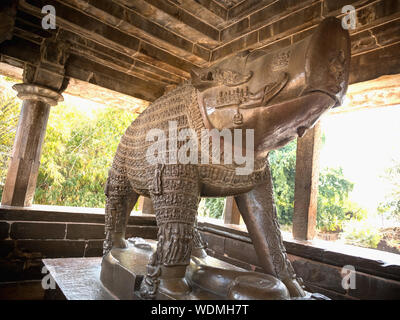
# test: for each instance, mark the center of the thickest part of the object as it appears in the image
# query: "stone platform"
(119, 274)
(78, 278)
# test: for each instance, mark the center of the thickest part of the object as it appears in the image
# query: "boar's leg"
(175, 202)
(259, 214)
(120, 200)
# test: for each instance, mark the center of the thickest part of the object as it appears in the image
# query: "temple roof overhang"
(141, 48)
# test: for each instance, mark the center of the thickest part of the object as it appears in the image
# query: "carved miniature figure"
(279, 95)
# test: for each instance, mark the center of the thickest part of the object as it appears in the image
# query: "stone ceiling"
(142, 47)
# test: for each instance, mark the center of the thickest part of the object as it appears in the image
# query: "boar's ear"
(202, 79)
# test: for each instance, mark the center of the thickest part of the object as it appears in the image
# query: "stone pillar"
(145, 205)
(306, 184)
(231, 211)
(23, 170)
(44, 81)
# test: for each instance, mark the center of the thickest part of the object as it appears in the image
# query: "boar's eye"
(210, 76)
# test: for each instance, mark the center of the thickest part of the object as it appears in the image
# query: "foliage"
(9, 114)
(333, 194)
(78, 150)
(283, 165)
(361, 233)
(391, 205)
(334, 189)
(212, 207)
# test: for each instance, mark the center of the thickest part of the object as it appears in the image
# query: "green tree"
(334, 189)
(391, 205)
(333, 203)
(283, 166)
(9, 113)
(214, 207)
(78, 151)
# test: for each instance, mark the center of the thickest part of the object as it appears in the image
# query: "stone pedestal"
(122, 272)
(23, 169)
(118, 276)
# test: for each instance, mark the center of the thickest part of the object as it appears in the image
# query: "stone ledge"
(370, 261)
(66, 214)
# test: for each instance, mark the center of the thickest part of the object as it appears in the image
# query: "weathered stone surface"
(4, 230)
(136, 25)
(236, 29)
(145, 232)
(335, 6)
(37, 230)
(363, 41)
(8, 11)
(235, 46)
(10, 270)
(56, 214)
(375, 288)
(387, 33)
(6, 247)
(329, 293)
(24, 165)
(235, 262)
(306, 18)
(379, 92)
(94, 248)
(215, 243)
(369, 66)
(241, 251)
(306, 184)
(190, 20)
(84, 231)
(245, 7)
(79, 279)
(145, 205)
(231, 211)
(376, 12)
(53, 248)
(24, 290)
(318, 274)
(215, 7)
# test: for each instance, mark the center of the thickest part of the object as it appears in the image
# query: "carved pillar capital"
(49, 71)
(35, 92)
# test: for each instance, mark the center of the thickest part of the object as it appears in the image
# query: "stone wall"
(29, 235)
(318, 263)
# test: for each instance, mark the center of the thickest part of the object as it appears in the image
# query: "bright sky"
(363, 143)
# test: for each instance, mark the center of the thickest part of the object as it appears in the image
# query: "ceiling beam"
(26, 27)
(215, 8)
(90, 28)
(176, 19)
(134, 24)
(20, 52)
(203, 13)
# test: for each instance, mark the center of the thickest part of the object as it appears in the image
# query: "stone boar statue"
(270, 97)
